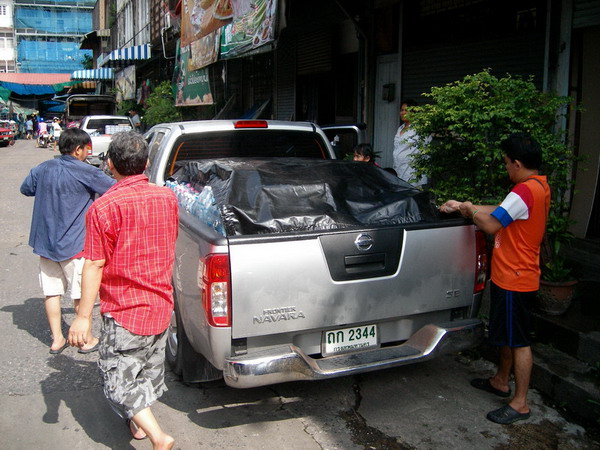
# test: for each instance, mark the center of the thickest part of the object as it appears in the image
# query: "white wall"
(133, 22)
(6, 19)
(387, 117)
(7, 43)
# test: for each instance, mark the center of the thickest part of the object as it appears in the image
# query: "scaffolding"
(48, 34)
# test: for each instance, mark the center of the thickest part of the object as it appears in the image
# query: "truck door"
(344, 138)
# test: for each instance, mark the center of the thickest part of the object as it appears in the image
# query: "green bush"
(469, 118)
(160, 106)
(125, 106)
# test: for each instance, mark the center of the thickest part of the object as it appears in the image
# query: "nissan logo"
(364, 242)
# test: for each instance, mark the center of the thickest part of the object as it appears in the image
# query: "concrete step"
(576, 333)
(584, 256)
(569, 382)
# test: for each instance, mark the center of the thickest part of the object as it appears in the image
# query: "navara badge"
(364, 242)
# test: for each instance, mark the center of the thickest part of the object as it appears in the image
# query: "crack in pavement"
(363, 434)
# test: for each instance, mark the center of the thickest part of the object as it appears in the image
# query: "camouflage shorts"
(132, 367)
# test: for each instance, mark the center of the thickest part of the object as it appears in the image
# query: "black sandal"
(485, 385)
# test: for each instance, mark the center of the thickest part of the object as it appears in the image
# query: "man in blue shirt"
(64, 188)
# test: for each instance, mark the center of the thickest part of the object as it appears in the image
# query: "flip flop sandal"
(89, 350)
(59, 350)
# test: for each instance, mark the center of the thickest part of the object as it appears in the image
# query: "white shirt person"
(405, 146)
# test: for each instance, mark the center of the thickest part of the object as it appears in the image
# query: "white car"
(101, 129)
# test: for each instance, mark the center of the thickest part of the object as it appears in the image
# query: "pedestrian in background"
(518, 225)
(21, 123)
(129, 254)
(29, 128)
(135, 118)
(405, 146)
(57, 130)
(34, 119)
(63, 188)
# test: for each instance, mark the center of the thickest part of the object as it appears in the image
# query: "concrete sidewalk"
(422, 406)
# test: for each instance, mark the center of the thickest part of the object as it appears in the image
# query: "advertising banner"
(253, 26)
(205, 51)
(193, 86)
(125, 83)
(225, 28)
(201, 17)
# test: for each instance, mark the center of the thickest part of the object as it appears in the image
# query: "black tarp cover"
(258, 196)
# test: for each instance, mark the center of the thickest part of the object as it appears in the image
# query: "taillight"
(251, 124)
(481, 261)
(89, 149)
(215, 289)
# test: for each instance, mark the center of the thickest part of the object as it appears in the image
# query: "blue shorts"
(511, 321)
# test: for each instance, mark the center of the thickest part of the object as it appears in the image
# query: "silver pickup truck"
(307, 302)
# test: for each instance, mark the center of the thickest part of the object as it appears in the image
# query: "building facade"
(48, 34)
(7, 37)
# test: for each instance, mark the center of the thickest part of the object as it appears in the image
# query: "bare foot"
(58, 346)
(166, 443)
(90, 345)
(496, 385)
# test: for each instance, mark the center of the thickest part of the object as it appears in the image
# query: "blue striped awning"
(93, 74)
(126, 56)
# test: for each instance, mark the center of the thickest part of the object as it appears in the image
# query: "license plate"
(349, 340)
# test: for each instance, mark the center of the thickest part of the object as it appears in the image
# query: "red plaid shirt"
(134, 227)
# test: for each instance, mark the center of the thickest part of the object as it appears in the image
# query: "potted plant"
(557, 283)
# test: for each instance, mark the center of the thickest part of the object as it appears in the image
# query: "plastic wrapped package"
(255, 196)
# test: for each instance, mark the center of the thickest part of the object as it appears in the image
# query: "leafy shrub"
(469, 118)
(125, 106)
(160, 106)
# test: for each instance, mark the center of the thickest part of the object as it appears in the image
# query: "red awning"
(35, 78)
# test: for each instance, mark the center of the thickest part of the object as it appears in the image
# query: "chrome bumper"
(288, 363)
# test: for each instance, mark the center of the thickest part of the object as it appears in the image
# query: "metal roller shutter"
(285, 79)
(442, 64)
(315, 52)
(586, 13)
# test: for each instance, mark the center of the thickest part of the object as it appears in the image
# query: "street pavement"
(56, 402)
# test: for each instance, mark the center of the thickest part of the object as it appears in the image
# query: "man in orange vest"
(518, 225)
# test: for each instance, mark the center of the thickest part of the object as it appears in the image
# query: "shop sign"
(193, 86)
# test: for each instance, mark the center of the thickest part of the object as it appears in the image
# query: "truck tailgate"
(337, 278)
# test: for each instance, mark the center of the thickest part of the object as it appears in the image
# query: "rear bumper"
(288, 363)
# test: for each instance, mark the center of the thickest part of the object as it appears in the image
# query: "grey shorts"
(132, 366)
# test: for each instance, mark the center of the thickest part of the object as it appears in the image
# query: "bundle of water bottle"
(200, 204)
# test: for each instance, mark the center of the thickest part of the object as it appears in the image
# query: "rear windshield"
(109, 126)
(247, 143)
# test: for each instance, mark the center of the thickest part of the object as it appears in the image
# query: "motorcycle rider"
(42, 133)
(57, 129)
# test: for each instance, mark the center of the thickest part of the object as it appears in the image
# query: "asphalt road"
(56, 402)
